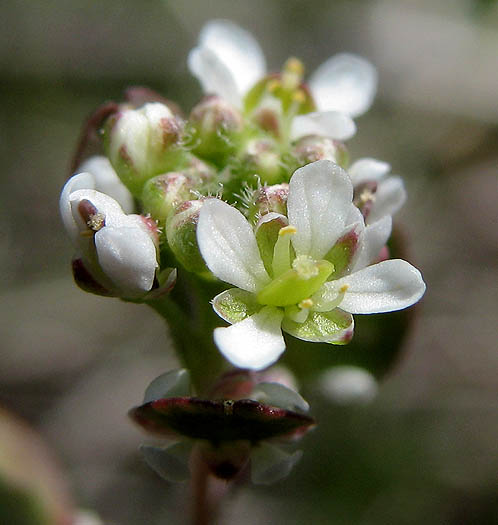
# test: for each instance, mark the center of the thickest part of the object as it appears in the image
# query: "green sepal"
(235, 305)
(342, 253)
(291, 287)
(335, 327)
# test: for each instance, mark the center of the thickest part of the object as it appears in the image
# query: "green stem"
(191, 321)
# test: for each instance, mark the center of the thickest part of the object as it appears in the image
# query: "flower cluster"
(254, 189)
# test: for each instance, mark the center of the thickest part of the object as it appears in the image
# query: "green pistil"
(296, 284)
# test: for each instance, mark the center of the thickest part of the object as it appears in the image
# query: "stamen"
(306, 303)
(281, 251)
(327, 306)
(298, 315)
(299, 96)
(273, 85)
(366, 196)
(294, 65)
(96, 221)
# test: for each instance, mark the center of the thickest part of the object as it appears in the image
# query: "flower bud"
(181, 232)
(144, 142)
(215, 125)
(268, 199)
(163, 193)
(118, 251)
(261, 157)
(312, 148)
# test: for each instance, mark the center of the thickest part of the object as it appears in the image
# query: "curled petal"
(256, 342)
(345, 83)
(320, 194)
(368, 169)
(228, 245)
(323, 123)
(80, 181)
(372, 240)
(128, 257)
(389, 198)
(107, 181)
(384, 287)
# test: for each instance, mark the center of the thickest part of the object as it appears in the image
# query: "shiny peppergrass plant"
(242, 222)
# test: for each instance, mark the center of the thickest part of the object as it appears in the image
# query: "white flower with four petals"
(228, 62)
(318, 272)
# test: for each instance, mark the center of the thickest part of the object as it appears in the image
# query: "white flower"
(294, 272)
(389, 195)
(228, 61)
(117, 249)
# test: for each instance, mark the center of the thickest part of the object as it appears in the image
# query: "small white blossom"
(118, 250)
(390, 193)
(228, 61)
(317, 275)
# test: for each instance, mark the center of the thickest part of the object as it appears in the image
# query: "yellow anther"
(366, 196)
(96, 222)
(287, 230)
(294, 65)
(343, 288)
(299, 96)
(306, 304)
(273, 85)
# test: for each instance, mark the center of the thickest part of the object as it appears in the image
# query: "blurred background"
(425, 449)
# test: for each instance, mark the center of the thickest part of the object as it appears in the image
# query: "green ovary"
(296, 284)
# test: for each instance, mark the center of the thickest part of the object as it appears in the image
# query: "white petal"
(255, 342)
(107, 181)
(237, 49)
(214, 76)
(79, 181)
(324, 123)
(114, 215)
(389, 198)
(368, 169)
(372, 240)
(128, 258)
(346, 384)
(383, 287)
(345, 83)
(320, 196)
(355, 216)
(228, 245)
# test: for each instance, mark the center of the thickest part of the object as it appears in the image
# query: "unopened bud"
(269, 199)
(261, 157)
(181, 232)
(144, 142)
(215, 125)
(163, 193)
(364, 197)
(312, 148)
